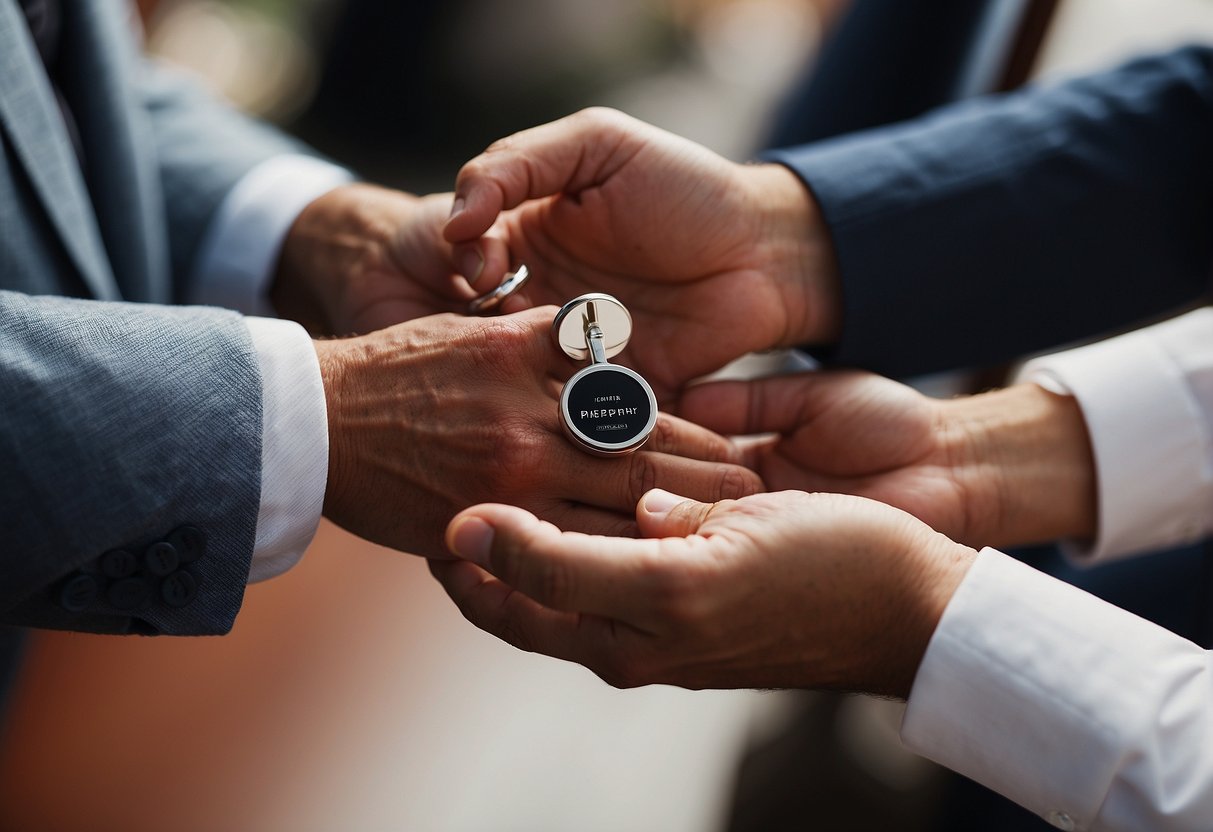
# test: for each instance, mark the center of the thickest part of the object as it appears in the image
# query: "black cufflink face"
(605, 409)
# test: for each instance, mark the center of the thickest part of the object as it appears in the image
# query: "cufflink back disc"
(606, 409)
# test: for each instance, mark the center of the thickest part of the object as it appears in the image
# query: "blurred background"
(351, 695)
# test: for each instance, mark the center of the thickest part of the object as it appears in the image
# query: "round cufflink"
(491, 300)
(605, 409)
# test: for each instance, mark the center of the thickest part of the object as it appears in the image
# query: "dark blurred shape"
(891, 60)
(410, 89)
(820, 786)
(381, 83)
(398, 102)
(146, 8)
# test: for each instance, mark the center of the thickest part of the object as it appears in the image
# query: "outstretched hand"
(1001, 468)
(431, 416)
(772, 590)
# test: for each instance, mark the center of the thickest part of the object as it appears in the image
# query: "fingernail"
(472, 539)
(471, 265)
(457, 208)
(661, 502)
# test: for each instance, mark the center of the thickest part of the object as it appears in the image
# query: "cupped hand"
(774, 590)
(1005, 467)
(431, 416)
(713, 259)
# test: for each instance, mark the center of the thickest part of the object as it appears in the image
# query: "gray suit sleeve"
(204, 147)
(130, 465)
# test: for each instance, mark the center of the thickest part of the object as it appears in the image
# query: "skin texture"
(1008, 467)
(428, 416)
(713, 259)
(790, 589)
(431, 416)
(361, 258)
(787, 590)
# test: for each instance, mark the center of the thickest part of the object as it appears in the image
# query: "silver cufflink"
(606, 409)
(491, 300)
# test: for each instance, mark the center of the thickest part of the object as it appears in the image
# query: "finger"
(563, 156)
(517, 302)
(607, 576)
(419, 251)
(577, 517)
(519, 621)
(780, 404)
(662, 514)
(619, 483)
(482, 263)
(672, 435)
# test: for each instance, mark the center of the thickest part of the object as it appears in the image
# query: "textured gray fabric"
(119, 422)
(204, 148)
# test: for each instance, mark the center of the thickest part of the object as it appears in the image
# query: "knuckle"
(642, 475)
(472, 171)
(735, 482)
(664, 435)
(511, 456)
(517, 451)
(476, 338)
(600, 116)
(502, 348)
(499, 146)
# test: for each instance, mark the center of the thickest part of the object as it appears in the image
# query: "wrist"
(936, 566)
(798, 253)
(333, 357)
(1024, 457)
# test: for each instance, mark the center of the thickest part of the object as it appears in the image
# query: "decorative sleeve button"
(79, 593)
(161, 559)
(179, 589)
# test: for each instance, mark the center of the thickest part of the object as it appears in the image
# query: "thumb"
(565, 156)
(662, 514)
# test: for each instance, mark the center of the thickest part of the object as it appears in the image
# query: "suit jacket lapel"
(30, 117)
(98, 61)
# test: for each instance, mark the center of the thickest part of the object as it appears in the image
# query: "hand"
(431, 416)
(713, 259)
(1008, 467)
(361, 258)
(787, 590)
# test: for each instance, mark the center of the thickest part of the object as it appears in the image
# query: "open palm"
(855, 433)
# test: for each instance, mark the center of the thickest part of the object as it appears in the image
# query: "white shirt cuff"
(294, 445)
(239, 253)
(1149, 425)
(1083, 713)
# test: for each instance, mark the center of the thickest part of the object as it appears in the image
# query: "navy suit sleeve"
(1007, 225)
